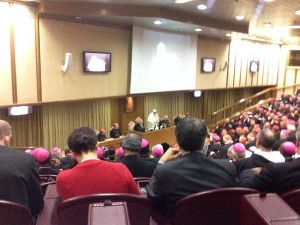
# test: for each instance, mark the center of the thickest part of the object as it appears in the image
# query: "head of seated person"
(145, 149)
(132, 144)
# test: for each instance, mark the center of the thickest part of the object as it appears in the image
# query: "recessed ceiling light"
(198, 29)
(202, 7)
(240, 17)
(297, 12)
(182, 1)
(269, 0)
(157, 22)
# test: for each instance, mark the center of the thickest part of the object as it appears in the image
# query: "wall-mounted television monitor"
(20, 110)
(96, 62)
(254, 66)
(208, 65)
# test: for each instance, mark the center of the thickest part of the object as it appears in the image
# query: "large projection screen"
(162, 61)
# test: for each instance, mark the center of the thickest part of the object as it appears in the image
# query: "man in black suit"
(115, 131)
(137, 166)
(275, 177)
(67, 162)
(186, 170)
(18, 177)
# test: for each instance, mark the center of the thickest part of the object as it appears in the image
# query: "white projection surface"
(162, 61)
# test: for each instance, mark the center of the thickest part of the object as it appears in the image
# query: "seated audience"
(137, 166)
(91, 175)
(100, 153)
(19, 179)
(139, 125)
(275, 177)
(115, 131)
(43, 157)
(263, 153)
(145, 149)
(102, 135)
(67, 162)
(186, 170)
(119, 154)
(222, 153)
(288, 150)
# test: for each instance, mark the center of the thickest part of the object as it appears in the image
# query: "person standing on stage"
(153, 120)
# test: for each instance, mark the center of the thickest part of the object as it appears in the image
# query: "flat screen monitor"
(20, 110)
(208, 65)
(96, 62)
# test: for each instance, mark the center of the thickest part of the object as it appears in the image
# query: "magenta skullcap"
(56, 150)
(284, 132)
(144, 143)
(34, 152)
(239, 148)
(100, 152)
(28, 151)
(289, 147)
(216, 138)
(120, 152)
(42, 155)
(158, 150)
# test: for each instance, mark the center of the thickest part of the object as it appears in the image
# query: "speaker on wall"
(68, 60)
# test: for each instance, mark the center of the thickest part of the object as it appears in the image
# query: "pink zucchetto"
(144, 143)
(34, 152)
(289, 147)
(158, 150)
(216, 138)
(238, 148)
(42, 155)
(100, 152)
(56, 150)
(120, 152)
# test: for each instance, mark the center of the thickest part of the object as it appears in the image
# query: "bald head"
(5, 131)
(266, 139)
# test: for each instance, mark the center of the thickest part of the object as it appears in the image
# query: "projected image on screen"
(162, 61)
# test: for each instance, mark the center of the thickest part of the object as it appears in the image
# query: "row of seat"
(234, 206)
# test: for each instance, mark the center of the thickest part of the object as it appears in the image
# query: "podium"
(159, 136)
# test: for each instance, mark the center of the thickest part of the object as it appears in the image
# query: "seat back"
(75, 211)
(12, 213)
(292, 198)
(45, 185)
(217, 207)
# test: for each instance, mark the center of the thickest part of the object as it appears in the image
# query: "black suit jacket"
(191, 173)
(139, 167)
(138, 127)
(274, 177)
(115, 133)
(19, 179)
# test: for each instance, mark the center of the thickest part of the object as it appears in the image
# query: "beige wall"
(59, 37)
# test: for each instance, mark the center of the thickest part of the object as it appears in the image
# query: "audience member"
(186, 170)
(43, 157)
(119, 154)
(139, 125)
(222, 153)
(19, 179)
(157, 151)
(102, 135)
(288, 150)
(236, 152)
(263, 153)
(153, 120)
(115, 131)
(100, 153)
(67, 162)
(137, 166)
(275, 177)
(91, 175)
(178, 118)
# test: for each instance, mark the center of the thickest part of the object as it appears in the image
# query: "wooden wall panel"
(24, 30)
(59, 37)
(5, 60)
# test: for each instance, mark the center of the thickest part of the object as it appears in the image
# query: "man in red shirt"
(91, 175)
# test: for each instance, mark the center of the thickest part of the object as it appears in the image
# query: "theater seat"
(45, 178)
(292, 198)
(45, 185)
(75, 211)
(214, 207)
(12, 214)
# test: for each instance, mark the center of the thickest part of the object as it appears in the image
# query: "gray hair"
(132, 142)
(5, 129)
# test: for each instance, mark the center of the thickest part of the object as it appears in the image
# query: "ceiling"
(216, 21)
